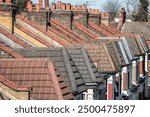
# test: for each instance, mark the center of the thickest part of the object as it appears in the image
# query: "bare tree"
(138, 10)
(112, 7)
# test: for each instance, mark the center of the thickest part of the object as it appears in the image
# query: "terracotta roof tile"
(63, 63)
(14, 86)
(47, 33)
(88, 32)
(98, 30)
(10, 51)
(38, 73)
(41, 40)
(14, 38)
(105, 54)
(71, 33)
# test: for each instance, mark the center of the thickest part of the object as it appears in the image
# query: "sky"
(92, 3)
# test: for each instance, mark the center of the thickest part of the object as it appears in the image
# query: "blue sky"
(94, 3)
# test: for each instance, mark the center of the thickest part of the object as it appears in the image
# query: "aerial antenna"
(89, 3)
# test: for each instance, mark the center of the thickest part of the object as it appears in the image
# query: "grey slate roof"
(134, 46)
(127, 49)
(143, 43)
(63, 63)
(137, 28)
(85, 65)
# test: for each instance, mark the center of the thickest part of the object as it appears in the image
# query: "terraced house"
(69, 52)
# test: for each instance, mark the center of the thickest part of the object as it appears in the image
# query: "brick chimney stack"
(95, 16)
(80, 15)
(105, 18)
(59, 3)
(63, 14)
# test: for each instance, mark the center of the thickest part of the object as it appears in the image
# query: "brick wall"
(6, 21)
(40, 18)
(14, 94)
(63, 17)
(95, 18)
(38, 33)
(81, 17)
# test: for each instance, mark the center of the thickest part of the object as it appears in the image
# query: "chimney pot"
(63, 6)
(72, 8)
(80, 8)
(68, 7)
(76, 7)
(30, 7)
(106, 14)
(38, 8)
(84, 7)
(97, 11)
(90, 10)
(8, 1)
(94, 11)
(59, 3)
(53, 6)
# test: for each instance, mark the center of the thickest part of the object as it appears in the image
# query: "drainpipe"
(14, 10)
